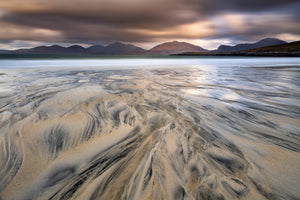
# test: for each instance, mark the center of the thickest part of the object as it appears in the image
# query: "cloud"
(250, 26)
(104, 21)
(13, 31)
(217, 6)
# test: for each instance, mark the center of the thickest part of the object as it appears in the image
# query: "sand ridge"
(157, 134)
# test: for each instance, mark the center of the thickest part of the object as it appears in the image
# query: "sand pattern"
(150, 134)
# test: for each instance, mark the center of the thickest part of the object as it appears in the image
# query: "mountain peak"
(239, 47)
(55, 46)
(96, 45)
(271, 41)
(121, 48)
(75, 47)
(175, 47)
(116, 44)
(96, 49)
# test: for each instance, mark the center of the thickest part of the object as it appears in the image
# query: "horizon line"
(133, 43)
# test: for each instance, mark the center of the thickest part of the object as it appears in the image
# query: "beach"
(194, 131)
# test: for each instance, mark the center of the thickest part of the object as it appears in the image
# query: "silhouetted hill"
(3, 51)
(282, 50)
(75, 49)
(174, 47)
(168, 48)
(240, 47)
(115, 48)
(96, 49)
(120, 48)
(54, 49)
(288, 49)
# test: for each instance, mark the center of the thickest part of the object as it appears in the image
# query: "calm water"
(150, 63)
(141, 128)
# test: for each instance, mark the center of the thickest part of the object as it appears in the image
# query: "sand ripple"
(160, 134)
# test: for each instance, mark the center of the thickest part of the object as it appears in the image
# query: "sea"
(127, 127)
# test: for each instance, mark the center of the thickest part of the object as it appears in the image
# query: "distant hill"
(174, 47)
(3, 51)
(265, 47)
(115, 48)
(120, 48)
(282, 50)
(288, 49)
(54, 49)
(96, 49)
(240, 47)
(76, 49)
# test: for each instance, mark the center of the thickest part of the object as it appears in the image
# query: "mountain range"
(115, 48)
(167, 48)
(174, 47)
(240, 47)
(287, 49)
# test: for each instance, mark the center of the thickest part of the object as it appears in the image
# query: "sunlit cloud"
(288, 36)
(250, 26)
(11, 32)
(192, 30)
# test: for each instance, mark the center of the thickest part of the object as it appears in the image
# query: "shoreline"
(183, 55)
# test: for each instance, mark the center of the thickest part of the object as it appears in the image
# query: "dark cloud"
(216, 6)
(90, 21)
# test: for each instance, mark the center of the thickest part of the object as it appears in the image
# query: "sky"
(145, 23)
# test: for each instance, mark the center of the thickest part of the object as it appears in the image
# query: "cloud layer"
(142, 21)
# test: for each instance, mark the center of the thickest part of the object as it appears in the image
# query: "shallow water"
(150, 129)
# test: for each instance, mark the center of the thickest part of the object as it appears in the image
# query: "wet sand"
(150, 134)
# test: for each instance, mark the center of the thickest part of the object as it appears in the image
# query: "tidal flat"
(204, 129)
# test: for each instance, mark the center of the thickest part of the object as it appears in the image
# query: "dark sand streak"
(160, 134)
